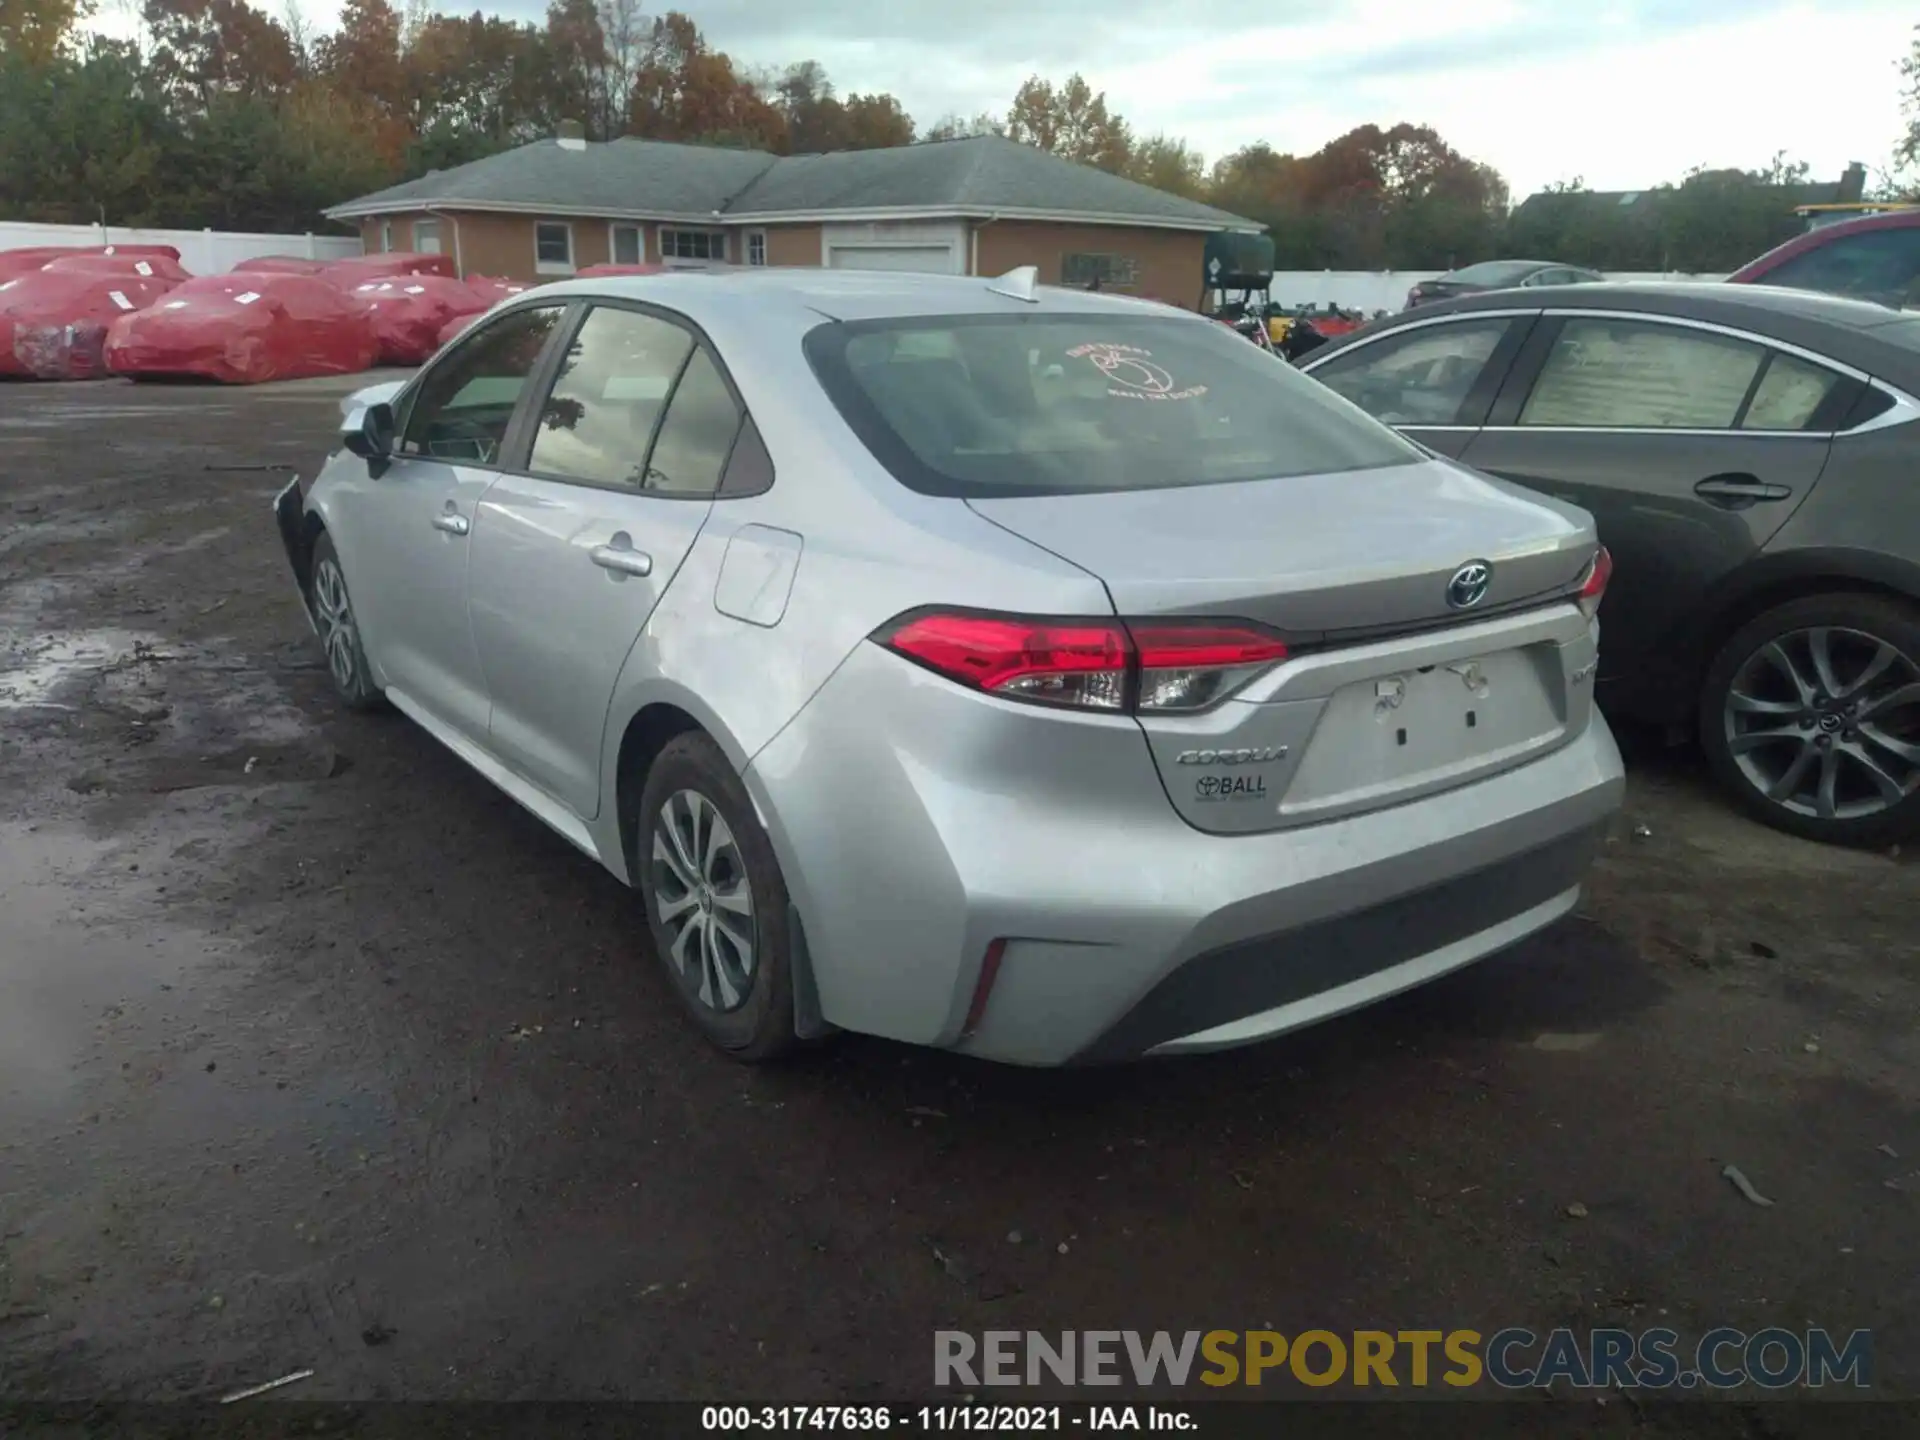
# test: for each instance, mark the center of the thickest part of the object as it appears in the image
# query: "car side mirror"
(370, 435)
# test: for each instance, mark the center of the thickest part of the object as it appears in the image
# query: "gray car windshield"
(991, 405)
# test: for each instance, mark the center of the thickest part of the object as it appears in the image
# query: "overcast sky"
(1621, 93)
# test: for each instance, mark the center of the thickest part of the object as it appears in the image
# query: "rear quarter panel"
(1862, 520)
(869, 550)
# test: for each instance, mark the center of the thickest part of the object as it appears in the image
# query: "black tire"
(340, 642)
(747, 1012)
(1843, 723)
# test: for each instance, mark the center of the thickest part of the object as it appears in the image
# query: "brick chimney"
(1853, 184)
(571, 135)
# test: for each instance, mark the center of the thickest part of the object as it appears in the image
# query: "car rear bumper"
(921, 825)
(289, 517)
(1270, 984)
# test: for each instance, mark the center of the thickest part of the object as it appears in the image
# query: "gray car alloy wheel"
(334, 613)
(703, 901)
(1825, 723)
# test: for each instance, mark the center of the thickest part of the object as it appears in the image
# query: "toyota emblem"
(1468, 587)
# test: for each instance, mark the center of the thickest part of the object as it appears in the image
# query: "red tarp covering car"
(246, 328)
(280, 265)
(14, 263)
(494, 290)
(53, 324)
(409, 312)
(147, 267)
(28, 258)
(491, 290)
(356, 268)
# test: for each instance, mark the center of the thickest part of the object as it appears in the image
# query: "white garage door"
(935, 258)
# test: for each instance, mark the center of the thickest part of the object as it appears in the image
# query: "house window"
(626, 245)
(756, 247)
(693, 244)
(1105, 271)
(553, 247)
(386, 237)
(426, 236)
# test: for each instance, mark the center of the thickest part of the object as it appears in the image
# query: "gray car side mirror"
(370, 434)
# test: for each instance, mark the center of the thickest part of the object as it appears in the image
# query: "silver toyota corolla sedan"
(1043, 675)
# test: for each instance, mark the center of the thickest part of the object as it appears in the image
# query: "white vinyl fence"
(204, 252)
(1371, 290)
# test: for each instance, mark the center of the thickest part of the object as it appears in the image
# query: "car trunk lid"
(1313, 555)
(1355, 569)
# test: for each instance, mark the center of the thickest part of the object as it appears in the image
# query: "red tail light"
(1593, 589)
(1075, 662)
(1189, 666)
(1150, 665)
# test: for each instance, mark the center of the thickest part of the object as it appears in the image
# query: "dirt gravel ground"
(315, 1051)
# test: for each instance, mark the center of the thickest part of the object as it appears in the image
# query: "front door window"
(463, 405)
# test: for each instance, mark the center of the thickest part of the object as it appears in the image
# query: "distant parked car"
(1039, 674)
(1873, 257)
(1498, 275)
(1749, 455)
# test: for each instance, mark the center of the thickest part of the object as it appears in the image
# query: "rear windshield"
(1494, 272)
(990, 405)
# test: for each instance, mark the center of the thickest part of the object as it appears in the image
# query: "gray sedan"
(1749, 454)
(1043, 675)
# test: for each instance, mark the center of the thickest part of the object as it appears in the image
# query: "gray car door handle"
(1739, 490)
(621, 560)
(452, 524)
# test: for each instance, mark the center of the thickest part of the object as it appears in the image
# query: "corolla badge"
(1468, 587)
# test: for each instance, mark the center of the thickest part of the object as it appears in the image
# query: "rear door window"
(1789, 395)
(697, 435)
(1635, 374)
(1419, 377)
(599, 418)
(992, 405)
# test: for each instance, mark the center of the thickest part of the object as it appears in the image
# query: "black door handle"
(1737, 491)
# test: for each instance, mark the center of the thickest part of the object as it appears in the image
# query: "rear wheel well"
(1780, 592)
(646, 736)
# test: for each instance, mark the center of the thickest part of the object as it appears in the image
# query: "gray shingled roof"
(645, 177)
(985, 174)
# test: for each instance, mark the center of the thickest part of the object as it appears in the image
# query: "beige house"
(979, 206)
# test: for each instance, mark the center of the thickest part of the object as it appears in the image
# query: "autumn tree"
(818, 121)
(1906, 154)
(84, 136)
(1169, 164)
(201, 49)
(34, 30)
(476, 86)
(685, 90)
(625, 35)
(1720, 219)
(875, 122)
(960, 127)
(1072, 122)
(365, 55)
(574, 64)
(814, 116)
